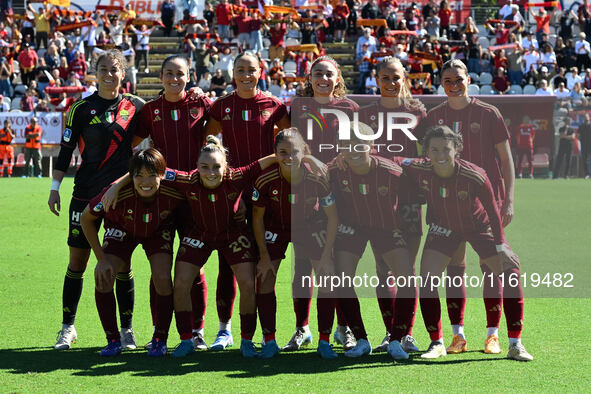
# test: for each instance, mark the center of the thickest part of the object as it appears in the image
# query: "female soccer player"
(366, 195)
(144, 215)
(395, 97)
(323, 89)
(102, 127)
(485, 137)
(285, 199)
(462, 208)
(246, 118)
(175, 122)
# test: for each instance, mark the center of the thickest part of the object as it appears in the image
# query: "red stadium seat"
(20, 160)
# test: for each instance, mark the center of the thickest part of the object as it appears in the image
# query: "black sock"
(71, 295)
(124, 290)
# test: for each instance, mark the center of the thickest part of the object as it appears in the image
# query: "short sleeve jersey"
(463, 202)
(368, 200)
(482, 128)
(213, 209)
(138, 218)
(247, 125)
(177, 129)
(289, 206)
(103, 131)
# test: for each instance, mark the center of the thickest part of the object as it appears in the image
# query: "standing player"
(395, 97)
(286, 198)
(525, 145)
(176, 124)
(366, 194)
(462, 208)
(6, 149)
(246, 119)
(324, 89)
(485, 137)
(143, 216)
(102, 127)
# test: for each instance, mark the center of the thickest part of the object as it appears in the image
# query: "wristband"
(55, 185)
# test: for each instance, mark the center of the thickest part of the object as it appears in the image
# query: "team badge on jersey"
(364, 189)
(170, 175)
(383, 190)
(67, 135)
(124, 114)
(443, 192)
(266, 114)
(175, 114)
(255, 195)
(462, 194)
(98, 207)
(456, 127)
(110, 117)
(212, 197)
(475, 127)
(195, 112)
(247, 115)
(292, 198)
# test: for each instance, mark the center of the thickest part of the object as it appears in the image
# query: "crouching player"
(285, 201)
(143, 216)
(462, 208)
(366, 195)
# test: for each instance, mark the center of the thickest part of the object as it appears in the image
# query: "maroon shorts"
(447, 241)
(354, 240)
(277, 243)
(309, 243)
(118, 242)
(410, 219)
(239, 248)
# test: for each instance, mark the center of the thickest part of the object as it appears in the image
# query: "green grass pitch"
(550, 233)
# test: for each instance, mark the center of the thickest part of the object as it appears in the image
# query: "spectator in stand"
(485, 63)
(353, 6)
(547, 57)
(515, 15)
(116, 32)
(542, 21)
(412, 17)
(276, 72)
(444, 15)
(430, 7)
(127, 14)
(577, 96)
(63, 102)
(582, 49)
(586, 86)
(371, 83)
(192, 6)
(562, 97)
(202, 56)
(33, 133)
(565, 148)
(370, 10)
(57, 79)
(78, 65)
(167, 12)
(531, 59)
(224, 14)
(544, 89)
(277, 38)
(470, 29)
(500, 59)
(363, 66)
(205, 82)
(52, 57)
(263, 79)
(367, 38)
(529, 40)
(142, 47)
(560, 77)
(567, 19)
(27, 59)
(501, 33)
(545, 75)
(42, 18)
(28, 101)
(243, 24)
(42, 75)
(309, 33)
(400, 53)
(433, 25)
(506, 10)
(256, 36)
(42, 106)
(515, 58)
(5, 73)
(73, 80)
(584, 135)
(573, 78)
(500, 83)
(226, 63)
(218, 83)
(340, 14)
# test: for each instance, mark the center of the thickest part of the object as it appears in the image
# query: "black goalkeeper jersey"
(103, 131)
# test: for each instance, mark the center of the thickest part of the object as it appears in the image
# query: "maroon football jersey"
(368, 200)
(464, 202)
(289, 206)
(213, 209)
(482, 127)
(177, 129)
(140, 219)
(324, 127)
(247, 125)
